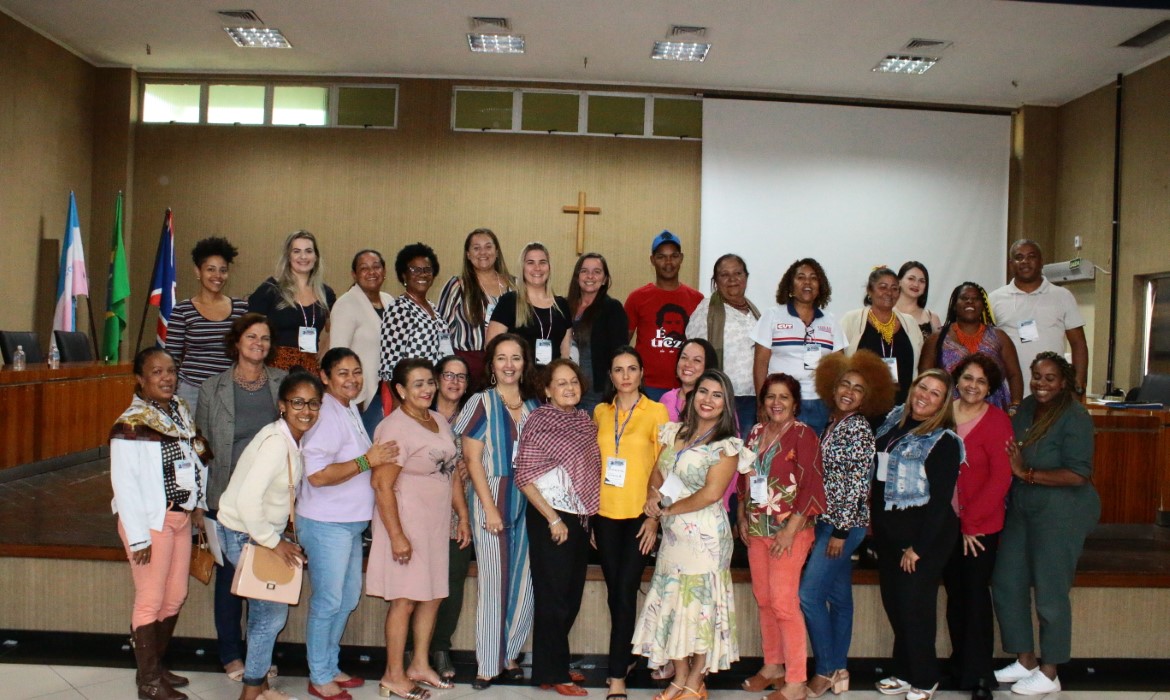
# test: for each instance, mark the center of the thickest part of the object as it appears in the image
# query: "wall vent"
(1144, 39)
(236, 16)
(920, 44)
(490, 24)
(684, 32)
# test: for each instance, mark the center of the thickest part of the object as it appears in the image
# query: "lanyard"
(617, 434)
(536, 313)
(678, 455)
(308, 323)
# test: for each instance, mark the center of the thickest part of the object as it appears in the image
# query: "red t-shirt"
(659, 319)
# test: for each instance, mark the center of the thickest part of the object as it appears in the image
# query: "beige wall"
(46, 150)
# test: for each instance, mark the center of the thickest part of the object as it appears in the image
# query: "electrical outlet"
(1077, 242)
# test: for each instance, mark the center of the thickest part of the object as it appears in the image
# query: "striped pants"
(504, 607)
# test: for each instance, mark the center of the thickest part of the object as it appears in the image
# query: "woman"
(297, 303)
(357, 325)
(233, 406)
(1052, 508)
(776, 515)
(727, 318)
(971, 329)
(256, 508)
(695, 357)
(197, 326)
(628, 425)
(490, 425)
(858, 388)
(533, 312)
(913, 289)
(411, 327)
(558, 469)
(984, 480)
(883, 330)
(689, 613)
(914, 526)
(408, 558)
(452, 378)
(468, 299)
(160, 482)
(334, 508)
(600, 326)
(792, 337)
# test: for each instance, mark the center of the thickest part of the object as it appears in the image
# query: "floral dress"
(690, 607)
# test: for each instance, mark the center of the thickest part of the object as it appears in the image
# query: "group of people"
(525, 427)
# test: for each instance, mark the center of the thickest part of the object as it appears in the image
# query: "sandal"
(569, 689)
(441, 662)
(664, 672)
(576, 676)
(761, 682)
(415, 693)
(481, 683)
(512, 674)
(663, 694)
(443, 684)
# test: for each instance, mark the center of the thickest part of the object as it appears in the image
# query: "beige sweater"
(257, 499)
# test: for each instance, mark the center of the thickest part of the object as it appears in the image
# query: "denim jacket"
(906, 484)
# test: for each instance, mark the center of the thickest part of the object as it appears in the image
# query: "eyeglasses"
(452, 377)
(730, 276)
(420, 270)
(300, 404)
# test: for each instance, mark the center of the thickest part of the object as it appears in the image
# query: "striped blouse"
(465, 335)
(486, 419)
(197, 343)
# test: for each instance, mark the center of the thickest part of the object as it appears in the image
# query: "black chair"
(1155, 388)
(28, 342)
(74, 346)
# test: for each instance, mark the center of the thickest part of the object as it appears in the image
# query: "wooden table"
(1131, 465)
(51, 413)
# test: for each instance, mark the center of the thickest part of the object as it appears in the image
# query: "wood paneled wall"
(384, 188)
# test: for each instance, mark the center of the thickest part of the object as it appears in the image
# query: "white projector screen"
(854, 187)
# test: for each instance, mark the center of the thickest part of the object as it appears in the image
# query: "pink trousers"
(776, 586)
(160, 587)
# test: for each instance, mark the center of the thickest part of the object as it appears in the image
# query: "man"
(659, 313)
(1037, 315)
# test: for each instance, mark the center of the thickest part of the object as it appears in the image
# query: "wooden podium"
(1131, 465)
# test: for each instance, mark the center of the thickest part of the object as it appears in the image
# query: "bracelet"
(363, 463)
(554, 522)
(1030, 476)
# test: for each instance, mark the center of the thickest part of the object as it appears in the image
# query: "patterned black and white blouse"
(409, 331)
(847, 451)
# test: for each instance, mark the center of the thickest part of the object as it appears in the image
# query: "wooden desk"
(52, 413)
(1131, 465)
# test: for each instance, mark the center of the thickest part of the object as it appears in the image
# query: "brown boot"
(166, 629)
(151, 684)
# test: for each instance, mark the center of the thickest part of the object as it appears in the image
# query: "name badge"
(671, 489)
(883, 465)
(307, 339)
(445, 347)
(1029, 331)
(543, 351)
(185, 474)
(574, 352)
(759, 488)
(812, 358)
(487, 313)
(615, 472)
(892, 365)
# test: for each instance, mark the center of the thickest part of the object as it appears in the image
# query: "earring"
(493, 378)
(282, 414)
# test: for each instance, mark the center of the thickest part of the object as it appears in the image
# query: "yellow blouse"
(639, 447)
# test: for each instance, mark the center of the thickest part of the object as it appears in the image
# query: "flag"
(72, 281)
(117, 292)
(162, 282)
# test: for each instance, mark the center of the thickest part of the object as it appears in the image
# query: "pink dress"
(423, 488)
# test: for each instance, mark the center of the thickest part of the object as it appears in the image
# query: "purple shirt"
(337, 436)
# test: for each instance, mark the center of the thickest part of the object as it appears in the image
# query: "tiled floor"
(23, 682)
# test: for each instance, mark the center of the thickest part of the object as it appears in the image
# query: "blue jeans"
(826, 599)
(815, 414)
(265, 619)
(229, 609)
(746, 414)
(335, 573)
(372, 415)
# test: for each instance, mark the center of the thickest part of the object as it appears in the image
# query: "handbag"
(261, 574)
(202, 561)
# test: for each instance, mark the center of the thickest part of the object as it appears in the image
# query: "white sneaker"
(893, 686)
(1013, 672)
(916, 694)
(1036, 684)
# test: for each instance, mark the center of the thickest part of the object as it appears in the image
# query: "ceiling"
(1005, 53)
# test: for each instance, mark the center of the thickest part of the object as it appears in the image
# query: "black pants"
(911, 599)
(558, 582)
(622, 564)
(970, 619)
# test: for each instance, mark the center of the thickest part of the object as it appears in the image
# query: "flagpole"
(142, 325)
(92, 328)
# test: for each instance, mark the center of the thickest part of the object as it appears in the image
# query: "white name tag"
(672, 487)
(445, 347)
(883, 465)
(615, 472)
(1029, 331)
(543, 351)
(307, 339)
(892, 365)
(185, 474)
(759, 488)
(812, 358)
(574, 352)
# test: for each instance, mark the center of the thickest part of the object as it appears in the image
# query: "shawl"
(143, 414)
(554, 438)
(716, 318)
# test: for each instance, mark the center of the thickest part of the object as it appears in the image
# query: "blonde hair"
(945, 418)
(524, 313)
(286, 281)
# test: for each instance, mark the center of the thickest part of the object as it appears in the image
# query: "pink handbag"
(261, 574)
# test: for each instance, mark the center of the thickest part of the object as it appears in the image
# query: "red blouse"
(986, 475)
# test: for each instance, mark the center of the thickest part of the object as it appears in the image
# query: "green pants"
(1042, 539)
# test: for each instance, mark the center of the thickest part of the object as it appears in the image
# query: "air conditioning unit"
(1074, 270)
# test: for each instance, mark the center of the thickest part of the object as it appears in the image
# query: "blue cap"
(664, 237)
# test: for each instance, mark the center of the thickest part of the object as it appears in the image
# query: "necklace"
(970, 340)
(250, 384)
(427, 421)
(886, 329)
(507, 405)
(742, 306)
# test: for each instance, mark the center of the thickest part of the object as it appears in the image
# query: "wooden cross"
(581, 210)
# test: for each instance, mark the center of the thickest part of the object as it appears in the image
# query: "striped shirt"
(465, 335)
(781, 331)
(197, 343)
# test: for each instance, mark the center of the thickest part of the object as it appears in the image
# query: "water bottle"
(54, 357)
(18, 358)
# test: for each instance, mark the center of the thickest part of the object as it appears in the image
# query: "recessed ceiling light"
(679, 51)
(909, 65)
(258, 37)
(495, 43)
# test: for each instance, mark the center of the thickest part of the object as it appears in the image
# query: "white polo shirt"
(781, 331)
(1054, 311)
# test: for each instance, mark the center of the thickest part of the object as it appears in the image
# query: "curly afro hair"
(879, 386)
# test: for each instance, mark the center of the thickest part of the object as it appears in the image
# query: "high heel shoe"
(779, 694)
(663, 694)
(760, 682)
(840, 681)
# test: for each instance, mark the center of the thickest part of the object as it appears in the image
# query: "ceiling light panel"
(906, 65)
(679, 51)
(258, 37)
(495, 43)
